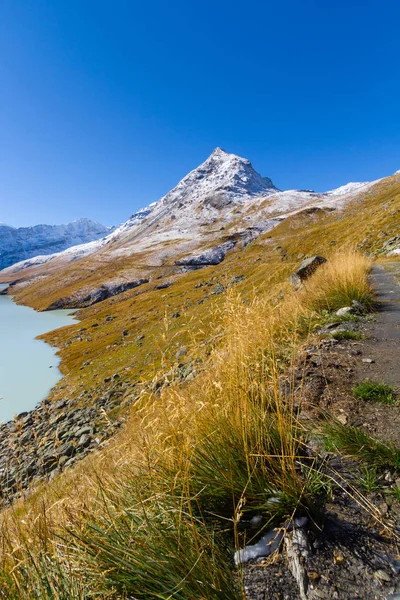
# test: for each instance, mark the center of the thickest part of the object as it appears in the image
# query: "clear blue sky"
(105, 105)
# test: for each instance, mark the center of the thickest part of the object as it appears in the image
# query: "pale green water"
(28, 367)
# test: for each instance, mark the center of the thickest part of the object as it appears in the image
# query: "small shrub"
(340, 281)
(372, 391)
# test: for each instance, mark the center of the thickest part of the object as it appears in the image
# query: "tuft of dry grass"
(340, 281)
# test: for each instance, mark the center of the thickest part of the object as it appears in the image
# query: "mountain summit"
(221, 179)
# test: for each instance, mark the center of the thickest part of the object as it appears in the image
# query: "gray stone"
(345, 310)
(49, 460)
(357, 307)
(83, 430)
(306, 269)
(209, 257)
(84, 441)
(66, 450)
(87, 297)
(181, 352)
(163, 286)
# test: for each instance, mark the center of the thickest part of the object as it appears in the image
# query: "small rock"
(306, 269)
(342, 418)
(163, 286)
(357, 307)
(381, 575)
(83, 431)
(181, 352)
(368, 361)
(84, 441)
(345, 310)
(383, 508)
(338, 558)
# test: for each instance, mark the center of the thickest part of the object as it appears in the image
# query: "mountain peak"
(224, 174)
(219, 152)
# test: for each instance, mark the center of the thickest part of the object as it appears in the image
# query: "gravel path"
(383, 345)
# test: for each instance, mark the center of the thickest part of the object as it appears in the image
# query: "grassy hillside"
(198, 297)
(159, 512)
(209, 439)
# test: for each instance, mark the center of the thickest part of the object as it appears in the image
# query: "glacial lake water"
(28, 367)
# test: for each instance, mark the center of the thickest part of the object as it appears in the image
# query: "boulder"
(84, 298)
(209, 257)
(356, 308)
(306, 269)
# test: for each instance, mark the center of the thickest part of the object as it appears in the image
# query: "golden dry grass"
(191, 461)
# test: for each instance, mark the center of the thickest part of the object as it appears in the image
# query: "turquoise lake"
(28, 367)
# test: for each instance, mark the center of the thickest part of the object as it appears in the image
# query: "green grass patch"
(354, 442)
(346, 335)
(395, 493)
(369, 479)
(373, 391)
(154, 548)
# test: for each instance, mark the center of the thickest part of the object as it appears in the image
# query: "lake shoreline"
(39, 443)
(29, 366)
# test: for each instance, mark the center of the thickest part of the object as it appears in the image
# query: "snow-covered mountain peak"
(218, 152)
(228, 176)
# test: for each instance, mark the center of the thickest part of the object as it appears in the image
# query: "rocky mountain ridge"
(22, 243)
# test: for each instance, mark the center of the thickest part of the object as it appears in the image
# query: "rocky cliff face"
(21, 243)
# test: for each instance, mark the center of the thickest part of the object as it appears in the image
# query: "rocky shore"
(41, 443)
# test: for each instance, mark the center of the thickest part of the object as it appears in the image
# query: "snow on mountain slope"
(76, 251)
(223, 193)
(227, 175)
(25, 242)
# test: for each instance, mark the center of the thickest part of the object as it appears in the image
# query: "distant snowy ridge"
(26, 242)
(74, 252)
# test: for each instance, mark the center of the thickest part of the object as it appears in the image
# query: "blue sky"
(105, 105)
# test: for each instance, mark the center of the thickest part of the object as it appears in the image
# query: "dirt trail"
(383, 345)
